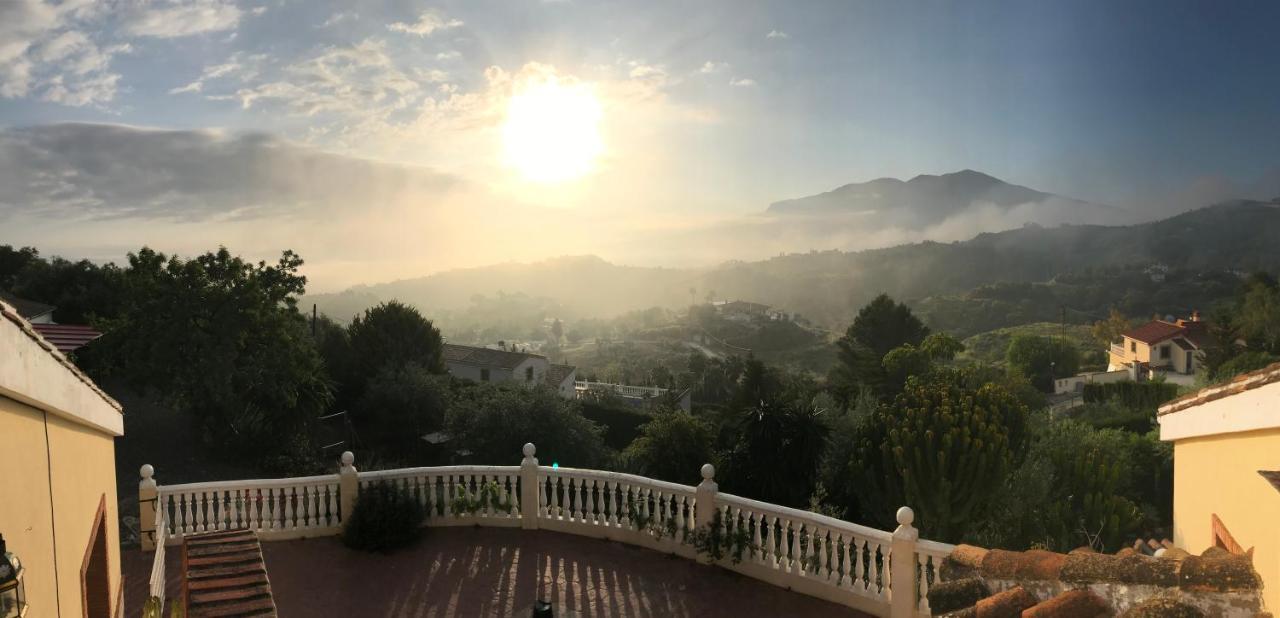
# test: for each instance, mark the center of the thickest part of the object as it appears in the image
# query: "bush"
(621, 420)
(1145, 396)
(385, 517)
(1244, 363)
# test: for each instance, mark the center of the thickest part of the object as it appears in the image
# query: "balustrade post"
(348, 485)
(902, 567)
(147, 502)
(704, 502)
(530, 503)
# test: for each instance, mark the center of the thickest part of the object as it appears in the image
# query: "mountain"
(926, 201)
(828, 287)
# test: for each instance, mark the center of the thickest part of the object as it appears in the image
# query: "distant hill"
(926, 200)
(829, 286)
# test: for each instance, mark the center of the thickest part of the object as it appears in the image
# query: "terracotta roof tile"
(66, 337)
(1154, 331)
(1070, 604)
(473, 355)
(1007, 604)
(557, 373)
(1238, 384)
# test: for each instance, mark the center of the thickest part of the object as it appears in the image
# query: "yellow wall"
(32, 514)
(1219, 475)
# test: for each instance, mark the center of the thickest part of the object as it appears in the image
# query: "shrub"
(1133, 395)
(385, 517)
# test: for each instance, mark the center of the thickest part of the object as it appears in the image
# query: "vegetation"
(1042, 359)
(492, 422)
(672, 446)
(940, 447)
(386, 517)
(1140, 396)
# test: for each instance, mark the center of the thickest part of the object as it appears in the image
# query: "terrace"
(505, 536)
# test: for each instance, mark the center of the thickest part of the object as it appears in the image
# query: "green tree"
(494, 421)
(400, 405)
(779, 445)
(222, 338)
(881, 326)
(1041, 359)
(391, 334)
(1108, 331)
(672, 447)
(13, 262)
(941, 448)
(1259, 318)
(557, 330)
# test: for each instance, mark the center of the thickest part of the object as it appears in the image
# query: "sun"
(552, 130)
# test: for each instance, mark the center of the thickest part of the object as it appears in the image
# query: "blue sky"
(712, 109)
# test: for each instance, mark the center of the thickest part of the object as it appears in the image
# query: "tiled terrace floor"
(468, 572)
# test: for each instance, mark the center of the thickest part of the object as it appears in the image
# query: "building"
(502, 365)
(66, 337)
(644, 397)
(1226, 471)
(58, 492)
(1167, 347)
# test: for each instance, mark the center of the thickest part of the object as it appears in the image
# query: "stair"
(224, 575)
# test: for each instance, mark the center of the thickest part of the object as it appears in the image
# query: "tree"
(1259, 318)
(777, 452)
(1108, 331)
(391, 334)
(941, 448)
(672, 447)
(941, 347)
(494, 421)
(13, 262)
(1041, 359)
(400, 405)
(557, 330)
(221, 338)
(880, 327)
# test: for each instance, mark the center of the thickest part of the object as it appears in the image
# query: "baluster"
(582, 497)
(842, 557)
(791, 536)
(330, 514)
(312, 506)
(873, 578)
(686, 517)
(923, 559)
(446, 482)
(273, 497)
(597, 503)
(859, 585)
(233, 508)
(829, 561)
(753, 522)
(188, 523)
(199, 500)
(290, 498)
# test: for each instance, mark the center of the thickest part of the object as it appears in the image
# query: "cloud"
(742, 82)
(95, 171)
(777, 34)
(240, 65)
(428, 22)
(167, 20)
(451, 54)
(46, 51)
(710, 67)
(339, 17)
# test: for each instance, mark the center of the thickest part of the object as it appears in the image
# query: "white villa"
(502, 365)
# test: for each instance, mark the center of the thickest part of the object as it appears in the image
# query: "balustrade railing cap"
(529, 449)
(146, 471)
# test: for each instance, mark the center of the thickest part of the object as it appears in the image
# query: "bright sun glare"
(551, 134)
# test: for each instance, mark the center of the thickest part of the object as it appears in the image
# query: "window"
(528, 374)
(1164, 352)
(484, 375)
(1133, 346)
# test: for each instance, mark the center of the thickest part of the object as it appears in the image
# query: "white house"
(490, 365)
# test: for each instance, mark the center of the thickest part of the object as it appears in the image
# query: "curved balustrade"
(807, 552)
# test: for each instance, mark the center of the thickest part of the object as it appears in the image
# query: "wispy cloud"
(451, 54)
(742, 82)
(777, 34)
(339, 17)
(710, 67)
(428, 22)
(177, 19)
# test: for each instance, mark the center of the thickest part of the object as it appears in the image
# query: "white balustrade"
(804, 551)
(274, 508)
(157, 562)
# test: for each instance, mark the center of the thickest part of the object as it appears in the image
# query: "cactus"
(941, 448)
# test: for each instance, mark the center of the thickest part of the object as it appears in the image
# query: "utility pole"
(313, 320)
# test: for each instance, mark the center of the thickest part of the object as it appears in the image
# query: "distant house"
(58, 491)
(501, 365)
(66, 337)
(741, 310)
(1171, 348)
(1226, 475)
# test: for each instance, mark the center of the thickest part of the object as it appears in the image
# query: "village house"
(1226, 472)
(58, 515)
(503, 365)
(1171, 348)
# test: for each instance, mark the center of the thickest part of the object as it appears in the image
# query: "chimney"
(502, 344)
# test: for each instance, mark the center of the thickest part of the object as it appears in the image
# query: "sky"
(385, 140)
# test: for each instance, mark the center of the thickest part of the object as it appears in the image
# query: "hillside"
(828, 287)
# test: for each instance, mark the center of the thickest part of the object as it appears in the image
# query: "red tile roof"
(1155, 331)
(66, 337)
